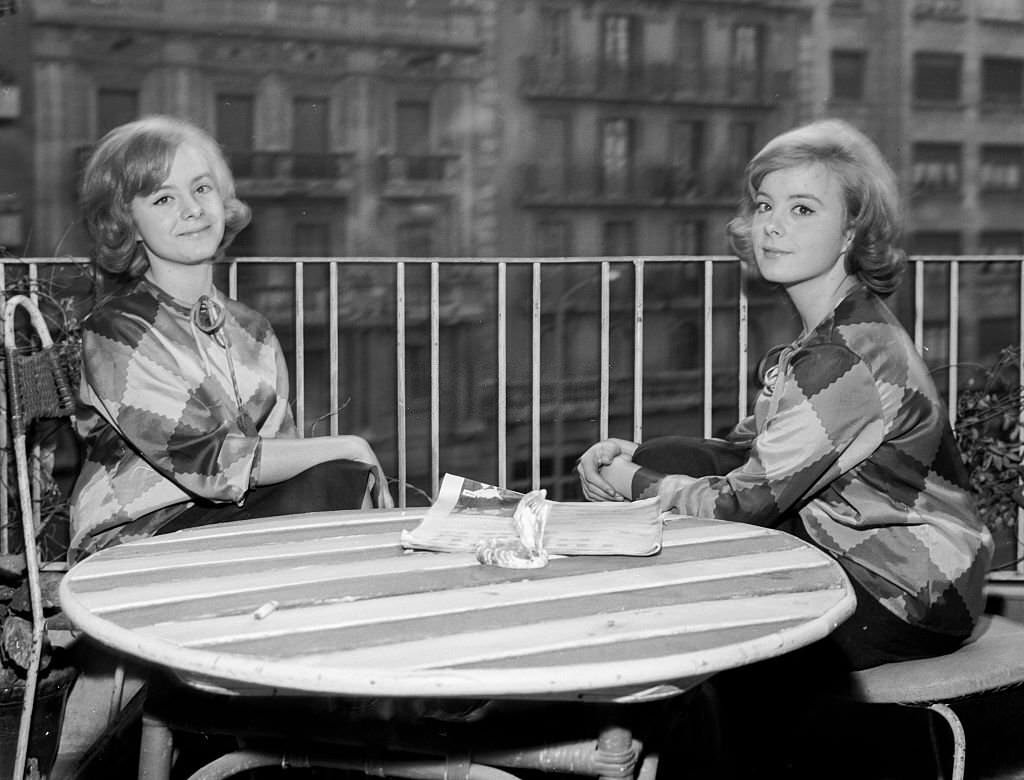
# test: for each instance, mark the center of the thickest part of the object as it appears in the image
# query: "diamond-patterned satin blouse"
(851, 433)
(158, 408)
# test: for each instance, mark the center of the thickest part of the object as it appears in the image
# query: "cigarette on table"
(265, 610)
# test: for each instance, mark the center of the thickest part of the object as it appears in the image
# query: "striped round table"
(330, 604)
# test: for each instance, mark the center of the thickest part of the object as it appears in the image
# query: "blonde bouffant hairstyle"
(134, 160)
(870, 193)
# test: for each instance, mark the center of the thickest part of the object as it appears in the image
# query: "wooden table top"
(330, 603)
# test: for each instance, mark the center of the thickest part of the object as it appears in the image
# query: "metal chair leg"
(959, 738)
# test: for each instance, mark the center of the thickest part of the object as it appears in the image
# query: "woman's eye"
(762, 207)
(162, 200)
(802, 210)
(202, 189)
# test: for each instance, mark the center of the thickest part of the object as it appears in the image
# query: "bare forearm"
(282, 459)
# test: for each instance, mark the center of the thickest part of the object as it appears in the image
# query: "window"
(553, 238)
(1002, 81)
(746, 61)
(554, 37)
(620, 45)
(848, 68)
(938, 242)
(309, 138)
(1001, 242)
(937, 167)
(553, 152)
(680, 349)
(689, 239)
(616, 157)
(417, 368)
(309, 116)
(686, 154)
(415, 239)
(1002, 168)
(937, 77)
(618, 40)
(412, 127)
(115, 107)
(742, 139)
(618, 239)
(949, 9)
(1001, 10)
(311, 239)
(691, 54)
(235, 131)
(247, 243)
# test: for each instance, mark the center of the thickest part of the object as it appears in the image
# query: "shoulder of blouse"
(248, 318)
(131, 310)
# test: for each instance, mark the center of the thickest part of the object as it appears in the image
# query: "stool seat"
(992, 659)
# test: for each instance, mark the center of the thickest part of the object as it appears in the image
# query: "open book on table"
(468, 512)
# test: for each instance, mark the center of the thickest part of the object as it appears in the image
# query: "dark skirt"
(337, 484)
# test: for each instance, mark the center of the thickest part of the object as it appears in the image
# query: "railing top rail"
(465, 260)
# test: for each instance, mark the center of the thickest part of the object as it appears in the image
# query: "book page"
(468, 512)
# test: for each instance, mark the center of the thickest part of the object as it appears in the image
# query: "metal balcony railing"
(503, 369)
(396, 170)
(651, 184)
(666, 81)
(429, 21)
(292, 165)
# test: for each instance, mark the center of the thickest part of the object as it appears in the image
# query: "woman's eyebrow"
(807, 195)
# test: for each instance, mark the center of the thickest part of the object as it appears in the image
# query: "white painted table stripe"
(331, 603)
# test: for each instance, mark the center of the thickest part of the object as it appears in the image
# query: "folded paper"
(469, 516)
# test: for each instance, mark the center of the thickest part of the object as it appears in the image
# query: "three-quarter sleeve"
(825, 417)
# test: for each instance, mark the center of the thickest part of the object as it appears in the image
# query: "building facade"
(525, 128)
(940, 85)
(16, 142)
(361, 127)
(628, 125)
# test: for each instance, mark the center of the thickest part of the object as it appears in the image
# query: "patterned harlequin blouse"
(851, 433)
(159, 413)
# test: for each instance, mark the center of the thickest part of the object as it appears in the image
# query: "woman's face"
(182, 222)
(798, 229)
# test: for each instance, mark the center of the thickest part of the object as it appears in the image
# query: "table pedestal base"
(614, 755)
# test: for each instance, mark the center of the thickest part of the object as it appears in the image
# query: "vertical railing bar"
(535, 380)
(708, 356)
(919, 271)
(400, 380)
(1018, 557)
(233, 279)
(954, 337)
(35, 474)
(300, 349)
(5, 506)
(435, 373)
(743, 346)
(502, 411)
(605, 385)
(638, 350)
(334, 349)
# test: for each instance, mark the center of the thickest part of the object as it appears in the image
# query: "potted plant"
(55, 676)
(988, 432)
